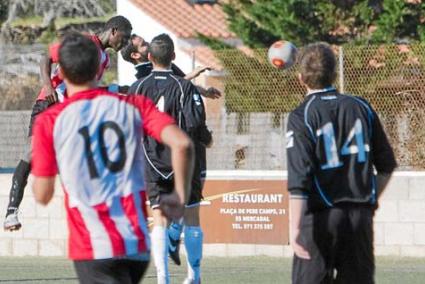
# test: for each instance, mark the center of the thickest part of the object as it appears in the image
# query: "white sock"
(193, 239)
(159, 240)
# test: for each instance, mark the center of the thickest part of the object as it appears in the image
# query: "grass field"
(215, 270)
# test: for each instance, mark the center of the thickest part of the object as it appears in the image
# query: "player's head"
(318, 66)
(78, 59)
(119, 29)
(161, 50)
(136, 51)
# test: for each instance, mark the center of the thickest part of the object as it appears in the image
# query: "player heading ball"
(93, 140)
(334, 143)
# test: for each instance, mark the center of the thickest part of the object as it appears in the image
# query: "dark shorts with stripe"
(340, 243)
(37, 108)
(111, 271)
(156, 189)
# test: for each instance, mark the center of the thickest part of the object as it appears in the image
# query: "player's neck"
(104, 39)
(73, 89)
(161, 67)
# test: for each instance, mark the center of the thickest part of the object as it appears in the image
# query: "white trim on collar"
(141, 64)
(328, 89)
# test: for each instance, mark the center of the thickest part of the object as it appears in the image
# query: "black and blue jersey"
(180, 99)
(334, 143)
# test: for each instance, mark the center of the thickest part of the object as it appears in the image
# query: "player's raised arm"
(45, 71)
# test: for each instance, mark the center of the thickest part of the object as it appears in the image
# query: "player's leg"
(174, 233)
(176, 228)
(137, 270)
(20, 176)
(16, 194)
(159, 235)
(193, 241)
(112, 271)
(355, 260)
(318, 236)
(193, 234)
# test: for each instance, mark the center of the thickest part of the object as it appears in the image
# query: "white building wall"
(148, 28)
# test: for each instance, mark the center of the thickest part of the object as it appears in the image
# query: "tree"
(261, 22)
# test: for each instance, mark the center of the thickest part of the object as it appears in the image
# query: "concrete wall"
(13, 136)
(399, 222)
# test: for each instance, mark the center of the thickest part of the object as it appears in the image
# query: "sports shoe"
(174, 250)
(11, 223)
(190, 281)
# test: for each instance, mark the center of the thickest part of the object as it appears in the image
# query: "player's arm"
(196, 72)
(211, 93)
(383, 155)
(194, 116)
(43, 160)
(300, 150)
(46, 62)
(43, 189)
(297, 208)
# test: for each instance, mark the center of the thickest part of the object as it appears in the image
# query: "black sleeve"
(382, 152)
(177, 71)
(194, 115)
(300, 157)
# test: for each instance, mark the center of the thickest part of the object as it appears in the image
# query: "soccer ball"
(282, 54)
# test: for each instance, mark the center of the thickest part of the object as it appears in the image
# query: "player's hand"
(172, 206)
(299, 250)
(123, 89)
(212, 93)
(51, 96)
(210, 144)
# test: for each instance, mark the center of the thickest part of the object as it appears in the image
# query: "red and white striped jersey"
(57, 81)
(93, 140)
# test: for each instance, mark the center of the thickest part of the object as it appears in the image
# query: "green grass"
(214, 270)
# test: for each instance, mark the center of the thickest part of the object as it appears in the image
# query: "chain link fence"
(249, 128)
(249, 134)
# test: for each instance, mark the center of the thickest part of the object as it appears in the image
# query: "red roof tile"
(185, 19)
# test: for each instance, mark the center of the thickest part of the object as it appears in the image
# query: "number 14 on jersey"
(332, 152)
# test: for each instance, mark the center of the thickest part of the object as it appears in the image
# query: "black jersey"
(144, 69)
(334, 142)
(181, 99)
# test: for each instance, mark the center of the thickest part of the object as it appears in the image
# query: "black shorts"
(111, 271)
(340, 243)
(156, 189)
(37, 108)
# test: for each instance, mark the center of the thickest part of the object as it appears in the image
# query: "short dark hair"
(318, 65)
(161, 49)
(127, 50)
(119, 22)
(78, 58)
